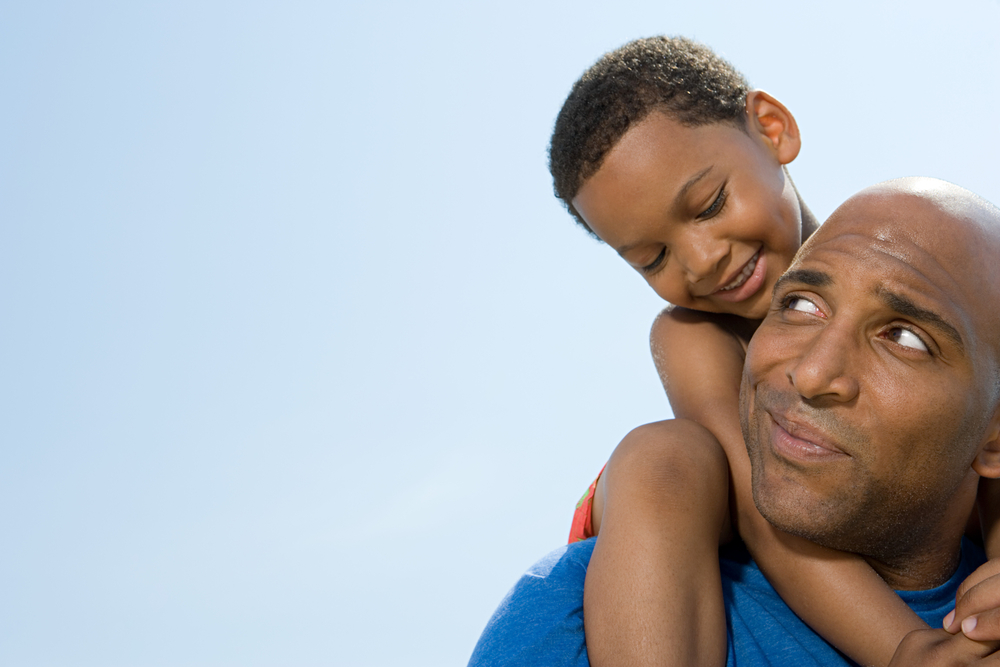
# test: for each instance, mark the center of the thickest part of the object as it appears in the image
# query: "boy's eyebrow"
(677, 201)
(907, 308)
(690, 184)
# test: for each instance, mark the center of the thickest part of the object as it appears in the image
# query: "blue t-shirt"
(540, 622)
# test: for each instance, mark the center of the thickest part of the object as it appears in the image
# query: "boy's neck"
(809, 222)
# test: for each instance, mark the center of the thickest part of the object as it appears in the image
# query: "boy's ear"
(771, 120)
(987, 461)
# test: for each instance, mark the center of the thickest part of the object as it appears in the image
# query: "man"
(870, 407)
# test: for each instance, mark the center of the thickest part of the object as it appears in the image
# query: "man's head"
(871, 391)
(662, 151)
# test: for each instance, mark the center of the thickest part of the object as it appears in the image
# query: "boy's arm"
(700, 362)
(654, 589)
(988, 502)
(977, 603)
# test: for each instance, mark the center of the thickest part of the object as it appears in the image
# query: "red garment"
(583, 517)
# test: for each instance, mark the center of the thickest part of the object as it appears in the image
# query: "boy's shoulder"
(675, 324)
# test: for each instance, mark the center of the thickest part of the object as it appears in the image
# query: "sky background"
(301, 363)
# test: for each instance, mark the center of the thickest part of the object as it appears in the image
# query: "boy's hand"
(935, 648)
(977, 604)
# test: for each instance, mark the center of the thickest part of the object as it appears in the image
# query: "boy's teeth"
(744, 274)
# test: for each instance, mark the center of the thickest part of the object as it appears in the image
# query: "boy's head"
(674, 75)
(664, 152)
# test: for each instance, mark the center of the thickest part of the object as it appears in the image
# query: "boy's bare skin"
(650, 597)
(690, 207)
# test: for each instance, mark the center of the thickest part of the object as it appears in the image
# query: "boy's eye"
(715, 207)
(906, 338)
(656, 262)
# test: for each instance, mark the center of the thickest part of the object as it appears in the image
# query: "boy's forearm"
(837, 594)
(988, 502)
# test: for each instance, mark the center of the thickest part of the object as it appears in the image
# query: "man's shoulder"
(569, 561)
(540, 621)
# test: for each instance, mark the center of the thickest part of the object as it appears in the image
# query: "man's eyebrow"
(677, 202)
(896, 302)
(804, 276)
(907, 308)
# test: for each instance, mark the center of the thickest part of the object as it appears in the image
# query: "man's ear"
(987, 461)
(768, 118)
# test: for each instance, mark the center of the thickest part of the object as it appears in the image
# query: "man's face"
(705, 214)
(868, 388)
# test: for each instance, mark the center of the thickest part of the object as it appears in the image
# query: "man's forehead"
(914, 230)
(931, 256)
(875, 263)
(933, 215)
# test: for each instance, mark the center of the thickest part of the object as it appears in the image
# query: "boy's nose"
(702, 258)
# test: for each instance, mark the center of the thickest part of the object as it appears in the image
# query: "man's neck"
(926, 556)
(928, 569)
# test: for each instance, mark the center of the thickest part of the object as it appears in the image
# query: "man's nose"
(825, 368)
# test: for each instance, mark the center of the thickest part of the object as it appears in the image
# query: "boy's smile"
(747, 282)
(705, 214)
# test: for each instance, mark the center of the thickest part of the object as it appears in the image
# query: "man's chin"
(796, 512)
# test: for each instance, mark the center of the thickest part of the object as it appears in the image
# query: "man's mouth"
(797, 440)
(743, 275)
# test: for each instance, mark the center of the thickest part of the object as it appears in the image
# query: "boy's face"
(705, 214)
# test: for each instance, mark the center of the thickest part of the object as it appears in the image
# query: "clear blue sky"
(300, 361)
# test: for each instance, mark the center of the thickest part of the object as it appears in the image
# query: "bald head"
(870, 401)
(948, 232)
(943, 218)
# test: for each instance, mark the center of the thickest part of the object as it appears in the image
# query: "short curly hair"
(675, 75)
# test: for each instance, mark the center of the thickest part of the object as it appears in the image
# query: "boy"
(664, 152)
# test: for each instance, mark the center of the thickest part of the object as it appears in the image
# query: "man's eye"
(801, 304)
(906, 338)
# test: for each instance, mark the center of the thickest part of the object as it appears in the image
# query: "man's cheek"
(763, 349)
(746, 406)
